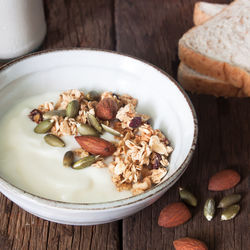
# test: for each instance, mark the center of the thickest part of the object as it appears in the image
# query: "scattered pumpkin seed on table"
(209, 209)
(44, 127)
(230, 212)
(188, 197)
(54, 140)
(72, 109)
(229, 200)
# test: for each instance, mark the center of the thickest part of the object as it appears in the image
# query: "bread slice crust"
(220, 70)
(200, 16)
(200, 84)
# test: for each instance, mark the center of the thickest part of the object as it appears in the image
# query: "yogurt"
(30, 164)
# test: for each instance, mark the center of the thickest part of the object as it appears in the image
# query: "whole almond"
(223, 180)
(173, 215)
(189, 244)
(96, 145)
(106, 109)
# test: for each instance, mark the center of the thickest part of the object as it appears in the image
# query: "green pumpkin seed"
(229, 200)
(111, 130)
(94, 123)
(44, 127)
(84, 162)
(230, 212)
(209, 209)
(85, 129)
(54, 141)
(68, 159)
(92, 96)
(188, 197)
(72, 109)
(51, 113)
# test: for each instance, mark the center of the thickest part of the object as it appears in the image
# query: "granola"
(141, 156)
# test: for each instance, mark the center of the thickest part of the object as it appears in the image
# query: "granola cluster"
(142, 153)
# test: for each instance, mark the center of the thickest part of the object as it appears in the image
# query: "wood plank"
(150, 30)
(71, 23)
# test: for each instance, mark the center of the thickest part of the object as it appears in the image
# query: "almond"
(223, 180)
(106, 109)
(96, 145)
(189, 244)
(174, 214)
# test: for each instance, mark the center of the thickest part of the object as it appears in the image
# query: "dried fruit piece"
(188, 197)
(95, 145)
(94, 123)
(174, 215)
(36, 115)
(68, 159)
(230, 212)
(85, 129)
(229, 200)
(57, 112)
(44, 127)
(106, 109)
(223, 180)
(72, 109)
(54, 141)
(135, 122)
(111, 130)
(93, 96)
(84, 162)
(189, 244)
(209, 209)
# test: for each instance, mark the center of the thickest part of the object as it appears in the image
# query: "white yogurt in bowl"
(55, 71)
(30, 164)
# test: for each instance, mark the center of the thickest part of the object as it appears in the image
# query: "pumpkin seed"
(92, 96)
(85, 129)
(230, 212)
(51, 113)
(188, 197)
(72, 109)
(229, 200)
(111, 130)
(44, 127)
(94, 123)
(209, 209)
(54, 141)
(84, 162)
(68, 159)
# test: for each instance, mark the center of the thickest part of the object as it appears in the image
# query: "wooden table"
(148, 29)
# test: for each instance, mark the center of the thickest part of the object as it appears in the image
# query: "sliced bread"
(204, 11)
(220, 47)
(201, 84)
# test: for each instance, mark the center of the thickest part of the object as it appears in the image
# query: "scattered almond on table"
(224, 180)
(189, 244)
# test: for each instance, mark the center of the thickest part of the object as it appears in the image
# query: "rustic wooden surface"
(148, 29)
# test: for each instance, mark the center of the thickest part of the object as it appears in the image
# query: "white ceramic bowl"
(159, 96)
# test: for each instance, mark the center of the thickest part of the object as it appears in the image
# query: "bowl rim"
(125, 201)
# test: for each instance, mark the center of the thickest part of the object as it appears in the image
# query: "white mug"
(22, 27)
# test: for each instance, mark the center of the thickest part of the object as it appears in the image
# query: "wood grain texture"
(148, 29)
(153, 29)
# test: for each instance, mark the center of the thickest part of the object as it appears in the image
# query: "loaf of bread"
(204, 11)
(220, 47)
